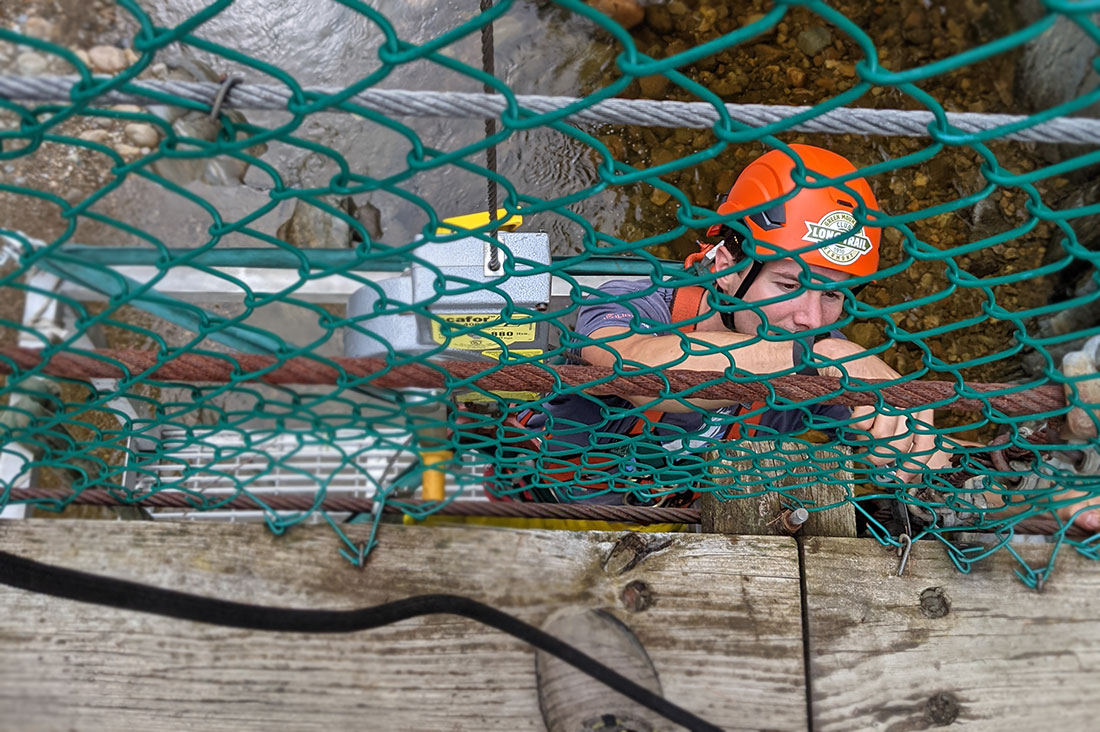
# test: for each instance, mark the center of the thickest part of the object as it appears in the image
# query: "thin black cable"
(488, 64)
(71, 584)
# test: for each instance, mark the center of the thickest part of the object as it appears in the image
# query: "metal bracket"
(41, 311)
(9, 250)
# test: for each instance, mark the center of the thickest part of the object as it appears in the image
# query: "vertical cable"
(488, 65)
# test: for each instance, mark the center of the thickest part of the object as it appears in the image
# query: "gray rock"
(310, 227)
(813, 40)
(370, 217)
(1057, 67)
(99, 136)
(108, 59)
(222, 170)
(127, 151)
(217, 171)
(40, 28)
(31, 63)
(142, 135)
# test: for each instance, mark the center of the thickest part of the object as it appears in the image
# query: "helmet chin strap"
(746, 283)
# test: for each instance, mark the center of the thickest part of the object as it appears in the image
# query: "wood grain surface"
(723, 628)
(933, 648)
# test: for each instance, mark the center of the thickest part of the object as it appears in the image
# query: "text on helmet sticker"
(832, 225)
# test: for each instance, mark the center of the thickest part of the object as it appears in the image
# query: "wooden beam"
(817, 479)
(936, 647)
(722, 627)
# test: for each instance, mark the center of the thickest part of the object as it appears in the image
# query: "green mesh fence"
(148, 355)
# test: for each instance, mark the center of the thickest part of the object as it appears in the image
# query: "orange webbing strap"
(685, 306)
(649, 416)
(734, 432)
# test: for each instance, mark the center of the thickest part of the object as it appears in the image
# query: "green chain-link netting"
(948, 279)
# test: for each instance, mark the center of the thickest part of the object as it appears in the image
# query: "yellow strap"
(434, 482)
(479, 221)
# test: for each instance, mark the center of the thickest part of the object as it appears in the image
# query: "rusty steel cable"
(642, 515)
(528, 377)
(306, 502)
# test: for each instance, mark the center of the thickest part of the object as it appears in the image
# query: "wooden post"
(818, 479)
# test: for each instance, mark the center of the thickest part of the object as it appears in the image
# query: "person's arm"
(621, 345)
(735, 350)
(890, 435)
(898, 440)
(1088, 520)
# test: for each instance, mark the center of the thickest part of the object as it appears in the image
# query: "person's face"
(799, 309)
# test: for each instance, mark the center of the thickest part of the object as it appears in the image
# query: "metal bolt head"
(942, 709)
(934, 603)
(637, 596)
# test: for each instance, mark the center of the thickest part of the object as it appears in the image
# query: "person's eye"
(789, 286)
(834, 296)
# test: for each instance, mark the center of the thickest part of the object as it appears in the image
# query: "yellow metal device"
(467, 324)
(480, 220)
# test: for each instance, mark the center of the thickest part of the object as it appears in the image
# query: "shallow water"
(539, 49)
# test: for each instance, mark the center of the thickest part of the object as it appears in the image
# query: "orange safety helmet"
(811, 215)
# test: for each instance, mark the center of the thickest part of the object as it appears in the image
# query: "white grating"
(221, 463)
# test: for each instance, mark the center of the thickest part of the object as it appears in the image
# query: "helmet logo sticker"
(832, 225)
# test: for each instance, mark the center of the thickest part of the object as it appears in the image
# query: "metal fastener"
(637, 596)
(903, 552)
(934, 603)
(942, 709)
(792, 521)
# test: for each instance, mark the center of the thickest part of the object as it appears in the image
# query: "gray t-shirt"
(595, 428)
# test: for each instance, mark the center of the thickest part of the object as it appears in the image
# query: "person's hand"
(1085, 515)
(907, 439)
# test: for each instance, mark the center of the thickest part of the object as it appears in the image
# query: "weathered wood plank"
(1002, 657)
(723, 630)
(822, 480)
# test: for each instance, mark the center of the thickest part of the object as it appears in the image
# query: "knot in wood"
(630, 550)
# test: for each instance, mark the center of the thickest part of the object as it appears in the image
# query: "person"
(781, 275)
